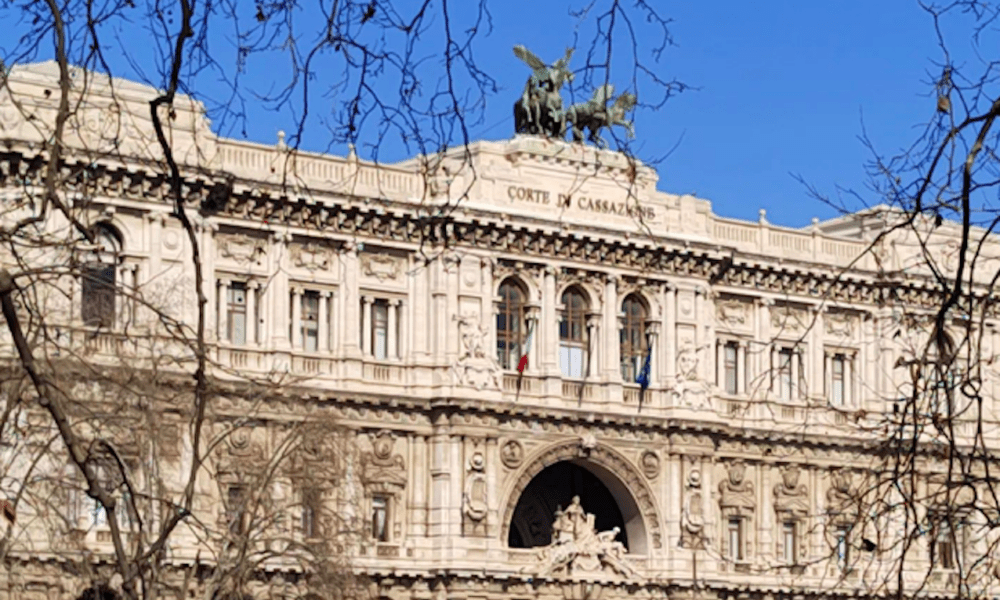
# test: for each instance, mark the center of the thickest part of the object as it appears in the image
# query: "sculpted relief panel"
(311, 256)
(382, 268)
(734, 314)
(241, 249)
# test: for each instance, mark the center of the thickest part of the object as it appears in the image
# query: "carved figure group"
(539, 110)
(578, 547)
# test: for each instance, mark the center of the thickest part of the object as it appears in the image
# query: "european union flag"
(643, 377)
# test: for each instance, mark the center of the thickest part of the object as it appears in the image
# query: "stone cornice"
(262, 205)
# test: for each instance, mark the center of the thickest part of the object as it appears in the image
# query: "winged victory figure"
(539, 111)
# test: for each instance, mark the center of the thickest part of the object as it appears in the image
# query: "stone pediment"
(579, 551)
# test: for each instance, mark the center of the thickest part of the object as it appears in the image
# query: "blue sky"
(783, 88)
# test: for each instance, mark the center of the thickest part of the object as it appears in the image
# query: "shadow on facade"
(553, 488)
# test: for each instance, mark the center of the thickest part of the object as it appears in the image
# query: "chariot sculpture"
(539, 111)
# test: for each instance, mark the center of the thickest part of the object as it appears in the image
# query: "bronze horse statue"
(539, 111)
(595, 114)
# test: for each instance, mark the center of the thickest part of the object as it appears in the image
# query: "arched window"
(510, 324)
(572, 334)
(633, 338)
(97, 298)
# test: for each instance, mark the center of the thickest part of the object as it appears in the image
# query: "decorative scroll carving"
(475, 367)
(840, 502)
(693, 514)
(839, 324)
(242, 249)
(732, 313)
(790, 496)
(382, 470)
(383, 267)
(736, 492)
(577, 547)
(788, 320)
(600, 455)
(313, 257)
(474, 498)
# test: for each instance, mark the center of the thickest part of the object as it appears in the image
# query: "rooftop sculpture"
(539, 111)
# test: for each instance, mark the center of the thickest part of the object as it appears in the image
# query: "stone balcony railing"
(329, 372)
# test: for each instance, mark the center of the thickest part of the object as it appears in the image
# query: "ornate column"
(548, 330)
(766, 356)
(653, 329)
(336, 322)
(670, 333)
(393, 330)
(296, 317)
(279, 309)
(612, 362)
(532, 348)
(222, 298)
(705, 333)
(366, 326)
(593, 331)
(349, 304)
(816, 376)
(323, 327)
(866, 354)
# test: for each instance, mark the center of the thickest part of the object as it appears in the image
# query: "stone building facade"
(400, 299)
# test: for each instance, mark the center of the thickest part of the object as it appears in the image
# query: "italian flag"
(523, 363)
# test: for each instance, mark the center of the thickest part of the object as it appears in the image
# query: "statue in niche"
(475, 367)
(689, 389)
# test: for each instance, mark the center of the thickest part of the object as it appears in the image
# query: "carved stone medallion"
(650, 463)
(511, 454)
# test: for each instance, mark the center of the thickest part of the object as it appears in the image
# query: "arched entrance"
(632, 509)
(553, 489)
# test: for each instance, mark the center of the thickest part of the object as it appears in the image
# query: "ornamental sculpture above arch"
(600, 455)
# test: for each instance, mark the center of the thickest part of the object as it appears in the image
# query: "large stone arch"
(626, 484)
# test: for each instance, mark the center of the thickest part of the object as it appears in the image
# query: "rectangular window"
(311, 504)
(572, 360)
(236, 498)
(380, 329)
(236, 310)
(784, 375)
(97, 307)
(380, 518)
(734, 534)
(838, 383)
(730, 354)
(788, 542)
(843, 548)
(310, 321)
(947, 547)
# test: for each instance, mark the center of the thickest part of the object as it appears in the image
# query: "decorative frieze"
(241, 249)
(381, 267)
